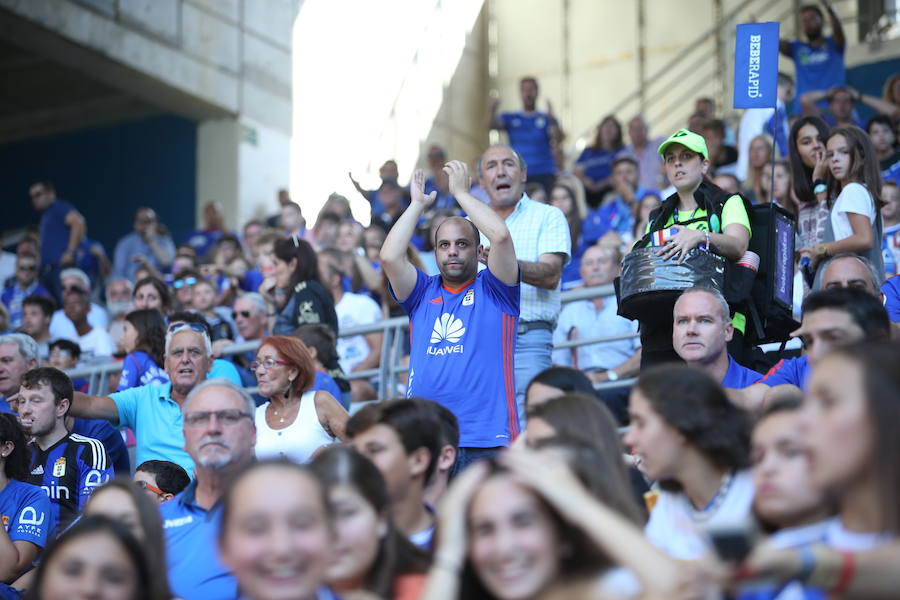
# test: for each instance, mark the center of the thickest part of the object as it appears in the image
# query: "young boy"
(65, 354)
(402, 439)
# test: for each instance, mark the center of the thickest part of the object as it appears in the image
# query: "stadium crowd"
(725, 469)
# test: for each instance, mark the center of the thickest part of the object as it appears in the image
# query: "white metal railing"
(394, 329)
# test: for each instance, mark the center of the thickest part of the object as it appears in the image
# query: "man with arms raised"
(701, 331)
(463, 321)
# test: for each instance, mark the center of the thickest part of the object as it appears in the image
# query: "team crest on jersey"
(59, 467)
(469, 298)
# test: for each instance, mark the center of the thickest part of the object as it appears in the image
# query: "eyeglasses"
(227, 418)
(187, 281)
(243, 313)
(179, 325)
(147, 486)
(267, 364)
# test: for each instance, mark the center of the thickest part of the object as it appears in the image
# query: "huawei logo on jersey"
(447, 328)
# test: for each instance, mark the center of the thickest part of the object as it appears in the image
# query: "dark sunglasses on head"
(243, 313)
(189, 281)
(179, 325)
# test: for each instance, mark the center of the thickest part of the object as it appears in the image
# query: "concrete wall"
(223, 63)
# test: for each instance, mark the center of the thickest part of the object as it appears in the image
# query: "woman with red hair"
(297, 420)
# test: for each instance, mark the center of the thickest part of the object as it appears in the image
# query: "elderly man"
(598, 318)
(154, 411)
(147, 245)
(700, 333)
(540, 235)
(848, 271)
(220, 436)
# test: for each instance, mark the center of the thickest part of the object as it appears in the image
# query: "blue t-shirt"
(195, 570)
(325, 382)
(54, 231)
(529, 135)
(793, 371)
(597, 162)
(26, 513)
(203, 240)
(463, 341)
(817, 67)
(12, 298)
(139, 369)
(612, 216)
(68, 471)
(111, 439)
(157, 424)
(891, 291)
(738, 376)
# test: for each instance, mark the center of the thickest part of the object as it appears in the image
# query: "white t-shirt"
(95, 343)
(354, 309)
(62, 327)
(839, 538)
(854, 198)
(676, 529)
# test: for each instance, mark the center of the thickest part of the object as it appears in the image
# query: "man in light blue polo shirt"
(220, 436)
(701, 331)
(154, 411)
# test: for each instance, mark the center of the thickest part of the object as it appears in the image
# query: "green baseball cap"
(688, 139)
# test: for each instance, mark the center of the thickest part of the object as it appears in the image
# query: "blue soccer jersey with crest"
(463, 342)
(25, 510)
(68, 471)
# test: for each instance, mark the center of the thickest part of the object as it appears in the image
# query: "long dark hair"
(342, 465)
(617, 142)
(15, 466)
(582, 560)
(151, 333)
(863, 164)
(801, 175)
(585, 419)
(150, 522)
(693, 403)
(307, 268)
(99, 524)
(881, 387)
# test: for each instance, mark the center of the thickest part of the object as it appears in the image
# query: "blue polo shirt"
(195, 571)
(156, 421)
(792, 371)
(738, 376)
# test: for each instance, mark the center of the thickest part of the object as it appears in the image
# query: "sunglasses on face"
(243, 313)
(187, 281)
(27, 267)
(73, 288)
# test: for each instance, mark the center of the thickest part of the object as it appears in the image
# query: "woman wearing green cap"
(699, 213)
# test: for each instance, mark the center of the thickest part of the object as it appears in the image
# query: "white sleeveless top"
(298, 441)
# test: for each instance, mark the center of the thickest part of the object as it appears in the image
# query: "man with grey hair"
(153, 411)
(541, 238)
(60, 325)
(643, 150)
(220, 436)
(18, 355)
(700, 334)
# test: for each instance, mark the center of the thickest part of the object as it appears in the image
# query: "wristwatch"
(822, 250)
(612, 375)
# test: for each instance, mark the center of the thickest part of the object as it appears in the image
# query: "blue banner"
(756, 65)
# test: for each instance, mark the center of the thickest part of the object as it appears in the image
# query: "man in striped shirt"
(68, 466)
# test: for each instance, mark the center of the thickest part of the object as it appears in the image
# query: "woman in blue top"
(24, 508)
(144, 339)
(594, 165)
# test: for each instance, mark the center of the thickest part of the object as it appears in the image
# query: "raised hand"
(417, 190)
(458, 177)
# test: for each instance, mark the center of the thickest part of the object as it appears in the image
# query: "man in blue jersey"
(62, 228)
(701, 331)
(831, 317)
(532, 133)
(220, 436)
(68, 466)
(463, 322)
(153, 411)
(819, 61)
